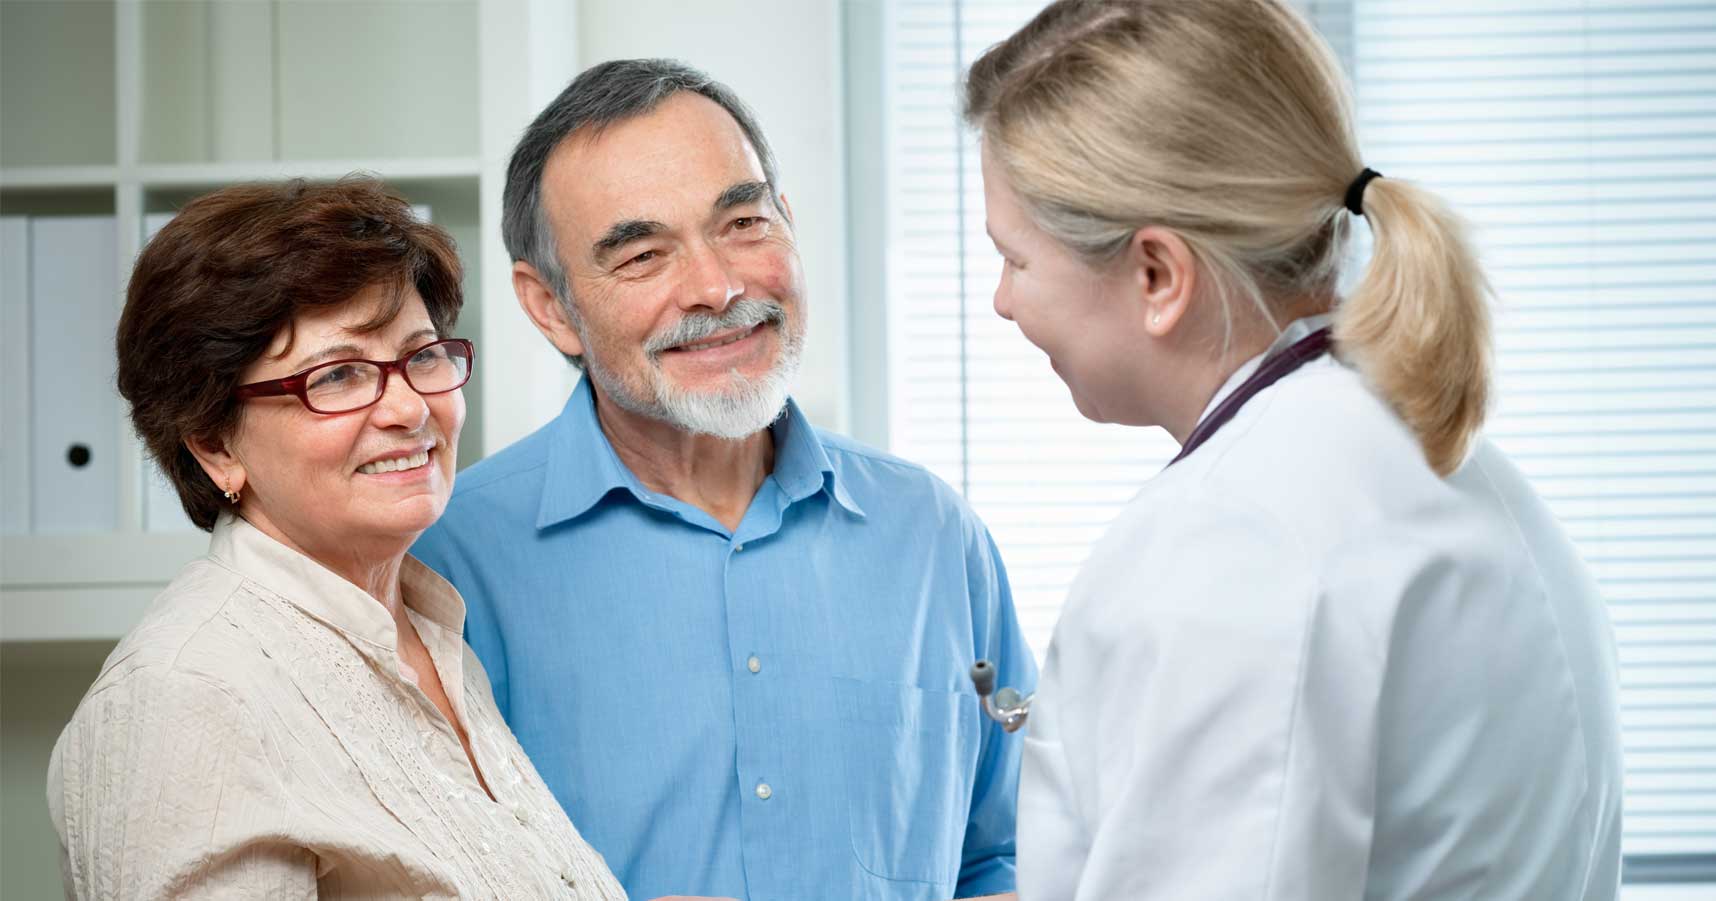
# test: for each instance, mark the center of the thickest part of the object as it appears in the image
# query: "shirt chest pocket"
(910, 755)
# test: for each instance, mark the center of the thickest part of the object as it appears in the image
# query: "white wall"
(784, 58)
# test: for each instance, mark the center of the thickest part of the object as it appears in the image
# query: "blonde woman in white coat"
(1339, 648)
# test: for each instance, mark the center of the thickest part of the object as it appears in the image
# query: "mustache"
(741, 314)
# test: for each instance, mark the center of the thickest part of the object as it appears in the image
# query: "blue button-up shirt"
(780, 711)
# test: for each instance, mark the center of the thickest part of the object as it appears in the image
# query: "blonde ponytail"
(1417, 326)
(1237, 135)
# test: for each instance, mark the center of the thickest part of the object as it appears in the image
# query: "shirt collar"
(1295, 330)
(327, 597)
(802, 467)
(583, 467)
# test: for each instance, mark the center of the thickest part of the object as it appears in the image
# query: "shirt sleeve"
(160, 787)
(1215, 721)
(987, 860)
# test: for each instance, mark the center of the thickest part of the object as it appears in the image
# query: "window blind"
(970, 398)
(1580, 141)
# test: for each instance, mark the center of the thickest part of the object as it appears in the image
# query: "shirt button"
(764, 792)
(522, 815)
(738, 547)
(754, 665)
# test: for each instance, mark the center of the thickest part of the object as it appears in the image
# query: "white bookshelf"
(130, 108)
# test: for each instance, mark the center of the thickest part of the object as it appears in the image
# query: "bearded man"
(734, 646)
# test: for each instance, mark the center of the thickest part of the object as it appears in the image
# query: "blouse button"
(754, 665)
(764, 792)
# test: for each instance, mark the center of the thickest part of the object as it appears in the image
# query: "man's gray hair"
(600, 96)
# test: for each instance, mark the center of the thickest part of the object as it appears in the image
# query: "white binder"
(74, 407)
(14, 375)
(162, 511)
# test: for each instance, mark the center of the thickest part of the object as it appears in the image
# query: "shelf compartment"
(298, 79)
(57, 83)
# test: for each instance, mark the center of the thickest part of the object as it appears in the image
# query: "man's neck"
(716, 475)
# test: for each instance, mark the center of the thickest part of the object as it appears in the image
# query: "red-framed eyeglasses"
(341, 386)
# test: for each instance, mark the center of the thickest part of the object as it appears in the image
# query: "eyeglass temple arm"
(275, 388)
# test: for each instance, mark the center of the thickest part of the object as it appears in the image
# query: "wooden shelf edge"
(59, 177)
(108, 559)
(171, 175)
(181, 175)
(103, 613)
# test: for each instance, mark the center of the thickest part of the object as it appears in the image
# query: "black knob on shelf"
(78, 455)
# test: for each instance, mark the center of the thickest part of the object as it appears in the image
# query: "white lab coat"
(1299, 665)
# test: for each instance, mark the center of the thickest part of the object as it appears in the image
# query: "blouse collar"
(326, 596)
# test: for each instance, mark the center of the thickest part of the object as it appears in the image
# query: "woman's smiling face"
(331, 484)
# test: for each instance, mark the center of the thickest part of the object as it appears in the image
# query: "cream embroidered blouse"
(253, 737)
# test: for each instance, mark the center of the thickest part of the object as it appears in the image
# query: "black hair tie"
(1354, 201)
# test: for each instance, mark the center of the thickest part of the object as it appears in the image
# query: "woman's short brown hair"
(213, 289)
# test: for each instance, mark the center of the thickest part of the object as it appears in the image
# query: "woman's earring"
(231, 495)
(1155, 318)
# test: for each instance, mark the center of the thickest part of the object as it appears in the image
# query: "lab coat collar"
(1295, 330)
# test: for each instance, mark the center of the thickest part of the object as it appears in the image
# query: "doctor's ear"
(544, 309)
(1166, 277)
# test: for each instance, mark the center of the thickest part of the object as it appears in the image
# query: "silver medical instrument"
(1007, 706)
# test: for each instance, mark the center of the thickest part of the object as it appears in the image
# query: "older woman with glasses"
(297, 715)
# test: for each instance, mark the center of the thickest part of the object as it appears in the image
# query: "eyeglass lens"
(341, 387)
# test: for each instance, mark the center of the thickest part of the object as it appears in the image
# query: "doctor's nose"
(1003, 306)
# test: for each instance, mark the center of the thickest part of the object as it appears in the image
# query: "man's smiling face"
(683, 272)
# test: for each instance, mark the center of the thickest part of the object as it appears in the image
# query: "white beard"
(746, 408)
(741, 409)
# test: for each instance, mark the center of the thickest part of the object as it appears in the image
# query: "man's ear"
(217, 459)
(1166, 275)
(786, 208)
(544, 309)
